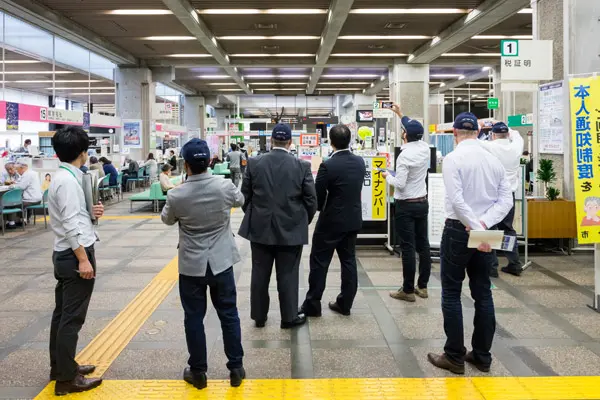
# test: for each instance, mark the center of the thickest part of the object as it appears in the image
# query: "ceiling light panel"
(277, 83)
(222, 84)
(409, 11)
(343, 83)
(50, 81)
(169, 38)
(279, 55)
(384, 37)
(82, 88)
(272, 11)
(269, 37)
(140, 12)
(213, 76)
(350, 76)
(275, 76)
(369, 55)
(190, 55)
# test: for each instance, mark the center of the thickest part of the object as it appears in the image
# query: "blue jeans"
(456, 259)
(223, 294)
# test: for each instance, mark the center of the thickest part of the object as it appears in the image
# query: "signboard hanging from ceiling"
(526, 60)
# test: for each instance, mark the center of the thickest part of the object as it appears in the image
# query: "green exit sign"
(493, 103)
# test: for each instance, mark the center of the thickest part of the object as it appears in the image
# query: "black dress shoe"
(81, 369)
(334, 306)
(196, 379)
(512, 271)
(260, 324)
(300, 320)
(470, 358)
(441, 361)
(77, 385)
(236, 376)
(309, 312)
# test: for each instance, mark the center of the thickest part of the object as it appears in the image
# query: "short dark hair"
(198, 168)
(340, 136)
(105, 160)
(28, 141)
(242, 144)
(70, 142)
(173, 152)
(166, 167)
(281, 143)
(93, 160)
(233, 147)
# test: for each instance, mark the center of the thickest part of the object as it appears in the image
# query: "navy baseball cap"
(466, 121)
(196, 151)
(412, 127)
(499, 127)
(282, 132)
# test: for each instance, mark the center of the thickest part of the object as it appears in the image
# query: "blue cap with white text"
(282, 132)
(196, 152)
(466, 121)
(500, 127)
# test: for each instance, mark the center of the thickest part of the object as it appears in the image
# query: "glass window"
(27, 38)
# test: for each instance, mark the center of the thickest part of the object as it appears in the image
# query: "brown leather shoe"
(441, 361)
(79, 384)
(470, 358)
(401, 295)
(81, 369)
(422, 293)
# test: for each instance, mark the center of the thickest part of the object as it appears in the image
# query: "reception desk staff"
(478, 196)
(412, 208)
(507, 146)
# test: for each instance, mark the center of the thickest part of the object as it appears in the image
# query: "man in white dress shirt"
(412, 208)
(478, 196)
(29, 182)
(507, 146)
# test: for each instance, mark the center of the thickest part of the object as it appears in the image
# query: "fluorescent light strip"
(247, 11)
(526, 11)
(280, 89)
(289, 55)
(275, 76)
(409, 11)
(169, 38)
(383, 37)
(82, 88)
(444, 75)
(343, 83)
(471, 55)
(223, 84)
(89, 94)
(213, 76)
(37, 72)
(269, 37)
(277, 83)
(20, 62)
(49, 81)
(350, 76)
(139, 12)
(229, 90)
(190, 55)
(340, 89)
(369, 55)
(499, 37)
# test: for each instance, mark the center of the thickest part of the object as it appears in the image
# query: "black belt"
(454, 223)
(418, 200)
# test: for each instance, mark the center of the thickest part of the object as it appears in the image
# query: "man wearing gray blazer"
(207, 252)
(281, 202)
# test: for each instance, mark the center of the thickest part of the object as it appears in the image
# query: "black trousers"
(323, 246)
(411, 226)
(506, 225)
(72, 297)
(287, 268)
(192, 291)
(456, 260)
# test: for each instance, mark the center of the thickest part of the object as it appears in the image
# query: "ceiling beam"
(460, 82)
(378, 86)
(187, 15)
(41, 16)
(487, 15)
(336, 18)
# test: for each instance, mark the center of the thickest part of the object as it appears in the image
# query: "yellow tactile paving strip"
(109, 343)
(551, 388)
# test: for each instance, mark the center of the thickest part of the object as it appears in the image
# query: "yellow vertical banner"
(584, 96)
(379, 195)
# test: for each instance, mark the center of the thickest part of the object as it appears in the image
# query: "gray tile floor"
(544, 326)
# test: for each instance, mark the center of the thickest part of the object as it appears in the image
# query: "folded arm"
(501, 208)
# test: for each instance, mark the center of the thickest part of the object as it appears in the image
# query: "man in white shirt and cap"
(507, 146)
(412, 208)
(478, 197)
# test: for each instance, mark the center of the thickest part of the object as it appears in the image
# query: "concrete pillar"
(135, 100)
(409, 86)
(195, 115)
(436, 109)
(570, 24)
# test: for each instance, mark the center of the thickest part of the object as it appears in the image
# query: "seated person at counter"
(9, 175)
(109, 168)
(173, 161)
(165, 179)
(96, 166)
(30, 184)
(152, 167)
(131, 172)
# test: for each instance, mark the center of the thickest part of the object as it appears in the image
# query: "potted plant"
(552, 217)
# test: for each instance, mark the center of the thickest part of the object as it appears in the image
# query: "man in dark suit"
(280, 204)
(339, 186)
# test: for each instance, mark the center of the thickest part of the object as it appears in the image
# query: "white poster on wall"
(437, 209)
(551, 107)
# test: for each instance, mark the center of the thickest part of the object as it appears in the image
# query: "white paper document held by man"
(496, 239)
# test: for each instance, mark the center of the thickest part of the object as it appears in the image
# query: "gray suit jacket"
(202, 206)
(280, 200)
